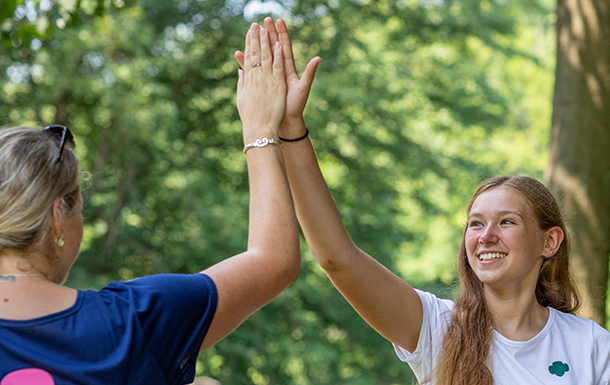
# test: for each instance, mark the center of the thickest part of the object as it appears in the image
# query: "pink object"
(29, 376)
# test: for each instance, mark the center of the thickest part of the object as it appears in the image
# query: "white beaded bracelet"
(262, 143)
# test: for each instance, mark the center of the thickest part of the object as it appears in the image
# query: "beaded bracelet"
(262, 143)
(297, 139)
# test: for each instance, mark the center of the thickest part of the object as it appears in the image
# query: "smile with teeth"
(491, 256)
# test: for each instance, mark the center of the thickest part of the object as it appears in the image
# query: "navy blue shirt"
(145, 331)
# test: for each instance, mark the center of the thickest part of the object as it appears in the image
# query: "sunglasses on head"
(63, 135)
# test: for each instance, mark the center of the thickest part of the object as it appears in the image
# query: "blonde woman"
(513, 322)
(149, 330)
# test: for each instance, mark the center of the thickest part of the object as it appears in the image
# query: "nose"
(489, 235)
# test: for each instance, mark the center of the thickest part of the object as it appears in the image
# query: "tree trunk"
(579, 166)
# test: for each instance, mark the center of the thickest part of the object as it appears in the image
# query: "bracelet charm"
(263, 142)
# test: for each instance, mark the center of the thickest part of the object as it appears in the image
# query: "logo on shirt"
(559, 368)
(30, 376)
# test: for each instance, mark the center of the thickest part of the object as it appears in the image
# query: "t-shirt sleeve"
(601, 337)
(436, 316)
(174, 312)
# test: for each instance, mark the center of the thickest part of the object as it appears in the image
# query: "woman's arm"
(248, 281)
(385, 301)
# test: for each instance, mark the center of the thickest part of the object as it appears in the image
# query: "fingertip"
(314, 62)
(310, 71)
(281, 22)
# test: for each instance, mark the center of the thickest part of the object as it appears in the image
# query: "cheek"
(471, 241)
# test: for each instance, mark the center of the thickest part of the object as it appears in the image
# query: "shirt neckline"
(549, 323)
(46, 318)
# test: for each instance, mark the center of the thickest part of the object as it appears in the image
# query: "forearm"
(384, 300)
(250, 280)
(273, 230)
(315, 207)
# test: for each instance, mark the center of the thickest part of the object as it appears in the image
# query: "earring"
(60, 241)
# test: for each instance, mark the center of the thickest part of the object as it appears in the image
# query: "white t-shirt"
(568, 350)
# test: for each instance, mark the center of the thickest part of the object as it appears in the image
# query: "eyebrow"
(503, 212)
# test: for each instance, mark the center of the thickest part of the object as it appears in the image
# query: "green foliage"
(25, 21)
(414, 103)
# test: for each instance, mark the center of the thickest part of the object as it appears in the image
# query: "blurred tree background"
(415, 102)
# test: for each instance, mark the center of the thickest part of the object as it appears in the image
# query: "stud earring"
(60, 241)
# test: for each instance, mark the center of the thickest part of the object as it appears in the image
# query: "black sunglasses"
(61, 133)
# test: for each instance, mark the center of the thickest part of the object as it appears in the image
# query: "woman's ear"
(554, 238)
(58, 214)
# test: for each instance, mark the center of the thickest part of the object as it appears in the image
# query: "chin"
(487, 279)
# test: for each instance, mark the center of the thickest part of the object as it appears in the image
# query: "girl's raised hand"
(261, 87)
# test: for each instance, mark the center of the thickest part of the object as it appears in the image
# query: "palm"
(297, 89)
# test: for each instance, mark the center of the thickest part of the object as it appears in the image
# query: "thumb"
(309, 73)
(239, 56)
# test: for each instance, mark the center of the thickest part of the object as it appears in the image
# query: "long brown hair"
(467, 344)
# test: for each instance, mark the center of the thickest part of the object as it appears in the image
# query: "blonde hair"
(31, 180)
(466, 345)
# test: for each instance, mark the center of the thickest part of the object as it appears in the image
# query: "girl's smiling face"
(504, 242)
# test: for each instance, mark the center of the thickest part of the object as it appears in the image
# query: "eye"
(507, 222)
(475, 224)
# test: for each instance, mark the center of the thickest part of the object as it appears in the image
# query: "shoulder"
(574, 322)
(163, 283)
(168, 289)
(432, 303)
(576, 326)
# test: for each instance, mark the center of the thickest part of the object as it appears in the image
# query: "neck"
(13, 277)
(15, 264)
(518, 317)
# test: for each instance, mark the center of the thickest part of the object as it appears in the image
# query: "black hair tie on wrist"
(297, 139)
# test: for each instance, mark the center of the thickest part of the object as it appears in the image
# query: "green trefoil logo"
(559, 368)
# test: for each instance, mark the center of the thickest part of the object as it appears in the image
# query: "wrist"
(263, 142)
(252, 134)
(291, 129)
(297, 139)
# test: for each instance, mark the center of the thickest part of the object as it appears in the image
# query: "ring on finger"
(256, 65)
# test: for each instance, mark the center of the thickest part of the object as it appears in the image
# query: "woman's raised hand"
(297, 88)
(248, 281)
(261, 88)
